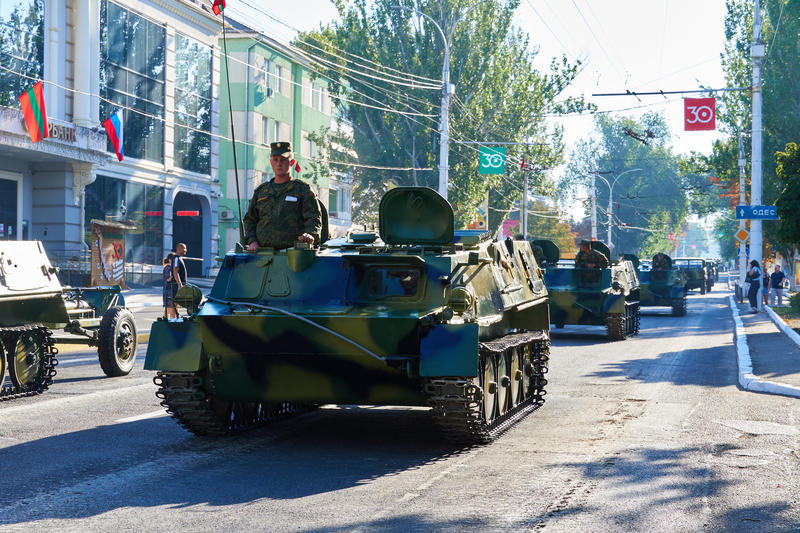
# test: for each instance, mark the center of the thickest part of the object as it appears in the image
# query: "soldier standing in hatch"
(660, 262)
(589, 258)
(283, 210)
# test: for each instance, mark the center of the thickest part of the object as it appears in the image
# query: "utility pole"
(742, 200)
(444, 127)
(757, 55)
(594, 207)
(525, 206)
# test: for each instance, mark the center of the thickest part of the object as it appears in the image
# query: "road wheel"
(703, 288)
(517, 375)
(26, 360)
(488, 383)
(118, 342)
(503, 382)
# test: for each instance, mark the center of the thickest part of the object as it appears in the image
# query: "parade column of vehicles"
(422, 315)
(592, 296)
(661, 283)
(33, 303)
(699, 273)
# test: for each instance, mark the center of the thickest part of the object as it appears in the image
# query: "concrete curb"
(747, 379)
(782, 325)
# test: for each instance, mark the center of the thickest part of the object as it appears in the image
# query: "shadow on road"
(713, 366)
(672, 480)
(154, 463)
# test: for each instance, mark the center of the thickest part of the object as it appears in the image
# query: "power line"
(546, 25)
(602, 48)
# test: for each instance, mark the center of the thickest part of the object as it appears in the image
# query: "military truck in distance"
(695, 271)
(592, 296)
(422, 316)
(33, 303)
(662, 286)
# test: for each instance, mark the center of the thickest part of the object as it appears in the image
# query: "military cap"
(281, 148)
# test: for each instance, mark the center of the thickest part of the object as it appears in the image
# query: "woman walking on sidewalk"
(765, 287)
(754, 278)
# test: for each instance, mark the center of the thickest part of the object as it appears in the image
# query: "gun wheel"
(27, 359)
(118, 342)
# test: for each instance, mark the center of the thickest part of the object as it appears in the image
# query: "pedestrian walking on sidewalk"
(178, 279)
(754, 279)
(777, 279)
(765, 287)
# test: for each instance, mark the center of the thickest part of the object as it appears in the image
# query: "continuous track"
(460, 404)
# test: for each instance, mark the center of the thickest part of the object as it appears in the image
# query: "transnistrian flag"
(32, 103)
(218, 6)
(113, 126)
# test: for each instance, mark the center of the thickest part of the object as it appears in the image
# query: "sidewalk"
(775, 357)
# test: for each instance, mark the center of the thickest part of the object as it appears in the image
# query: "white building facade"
(158, 61)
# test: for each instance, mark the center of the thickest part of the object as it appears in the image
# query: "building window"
(333, 202)
(279, 79)
(266, 72)
(307, 146)
(192, 105)
(276, 132)
(265, 130)
(315, 100)
(132, 65)
(307, 90)
(142, 205)
(21, 47)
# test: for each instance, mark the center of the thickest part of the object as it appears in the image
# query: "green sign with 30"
(493, 160)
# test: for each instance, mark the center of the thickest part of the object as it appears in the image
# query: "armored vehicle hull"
(694, 270)
(663, 286)
(422, 317)
(594, 296)
(33, 303)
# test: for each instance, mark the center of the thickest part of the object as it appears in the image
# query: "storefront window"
(21, 47)
(133, 203)
(133, 58)
(192, 105)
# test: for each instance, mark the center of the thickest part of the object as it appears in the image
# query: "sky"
(636, 45)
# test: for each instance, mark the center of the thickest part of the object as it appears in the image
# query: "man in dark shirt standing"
(283, 211)
(776, 280)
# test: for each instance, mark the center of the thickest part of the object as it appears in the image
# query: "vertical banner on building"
(108, 254)
(481, 220)
(699, 114)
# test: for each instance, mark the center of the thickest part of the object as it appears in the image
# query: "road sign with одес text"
(759, 212)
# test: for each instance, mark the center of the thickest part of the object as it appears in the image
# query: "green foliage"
(794, 302)
(545, 222)
(499, 96)
(724, 229)
(647, 204)
(781, 89)
(788, 172)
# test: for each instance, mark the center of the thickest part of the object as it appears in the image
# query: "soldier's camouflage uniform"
(598, 259)
(281, 212)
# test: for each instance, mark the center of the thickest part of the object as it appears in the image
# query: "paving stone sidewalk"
(775, 356)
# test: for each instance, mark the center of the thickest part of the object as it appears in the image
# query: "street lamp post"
(448, 89)
(610, 202)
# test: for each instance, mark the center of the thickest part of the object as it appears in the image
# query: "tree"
(781, 91)
(650, 199)
(499, 95)
(545, 222)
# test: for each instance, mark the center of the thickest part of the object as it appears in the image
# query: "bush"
(794, 302)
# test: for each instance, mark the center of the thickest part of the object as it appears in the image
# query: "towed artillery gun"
(33, 303)
(423, 316)
(592, 296)
(661, 283)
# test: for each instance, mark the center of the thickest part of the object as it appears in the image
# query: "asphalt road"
(649, 434)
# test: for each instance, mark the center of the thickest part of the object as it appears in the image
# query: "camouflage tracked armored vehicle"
(695, 271)
(592, 296)
(661, 284)
(424, 316)
(32, 303)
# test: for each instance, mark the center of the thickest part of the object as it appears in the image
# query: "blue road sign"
(761, 212)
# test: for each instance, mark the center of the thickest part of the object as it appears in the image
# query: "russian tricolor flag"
(113, 126)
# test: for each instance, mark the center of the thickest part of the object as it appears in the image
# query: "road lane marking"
(146, 416)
